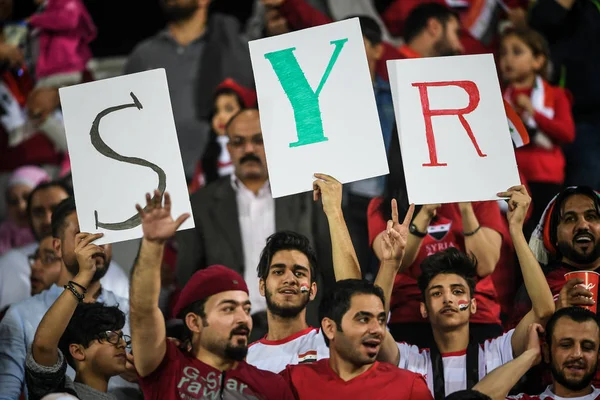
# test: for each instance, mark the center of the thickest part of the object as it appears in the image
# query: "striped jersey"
(305, 346)
(492, 354)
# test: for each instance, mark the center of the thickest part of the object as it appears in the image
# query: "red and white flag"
(518, 132)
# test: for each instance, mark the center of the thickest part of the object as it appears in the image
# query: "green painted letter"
(304, 101)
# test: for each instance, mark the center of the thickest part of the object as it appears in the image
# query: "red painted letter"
(471, 88)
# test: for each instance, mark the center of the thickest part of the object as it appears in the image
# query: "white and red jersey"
(492, 354)
(274, 355)
(548, 395)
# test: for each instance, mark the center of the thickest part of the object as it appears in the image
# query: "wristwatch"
(415, 231)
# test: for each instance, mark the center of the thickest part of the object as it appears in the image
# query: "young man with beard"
(18, 327)
(447, 283)
(88, 336)
(287, 273)
(353, 321)
(215, 307)
(571, 349)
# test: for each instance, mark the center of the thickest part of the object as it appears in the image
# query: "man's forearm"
(533, 277)
(55, 321)
(481, 242)
(345, 262)
(145, 279)
(413, 243)
(385, 280)
(498, 383)
(485, 250)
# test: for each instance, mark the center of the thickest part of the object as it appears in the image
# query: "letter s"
(105, 150)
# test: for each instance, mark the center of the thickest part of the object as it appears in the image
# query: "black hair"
(370, 29)
(469, 394)
(39, 188)
(212, 152)
(60, 214)
(88, 322)
(234, 117)
(197, 307)
(417, 20)
(449, 261)
(286, 240)
(557, 210)
(577, 314)
(336, 301)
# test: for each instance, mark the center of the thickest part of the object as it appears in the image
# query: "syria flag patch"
(308, 357)
(439, 231)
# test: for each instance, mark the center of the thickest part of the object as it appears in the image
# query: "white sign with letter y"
(317, 107)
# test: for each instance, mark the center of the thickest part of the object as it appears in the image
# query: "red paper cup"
(590, 282)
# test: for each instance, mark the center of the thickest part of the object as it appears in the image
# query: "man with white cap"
(567, 239)
(215, 307)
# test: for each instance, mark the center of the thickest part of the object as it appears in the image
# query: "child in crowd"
(545, 110)
(229, 99)
(92, 344)
(64, 30)
(15, 231)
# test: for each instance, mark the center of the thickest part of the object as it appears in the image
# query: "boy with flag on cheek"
(447, 283)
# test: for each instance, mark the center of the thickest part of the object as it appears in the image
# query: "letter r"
(468, 86)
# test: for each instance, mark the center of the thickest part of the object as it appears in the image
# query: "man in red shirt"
(353, 324)
(216, 310)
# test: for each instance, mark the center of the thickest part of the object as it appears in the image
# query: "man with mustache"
(571, 349)
(568, 236)
(215, 307)
(17, 329)
(235, 215)
(353, 321)
(198, 50)
(567, 239)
